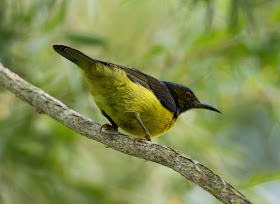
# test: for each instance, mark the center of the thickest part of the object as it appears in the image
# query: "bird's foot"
(108, 127)
(147, 134)
(139, 138)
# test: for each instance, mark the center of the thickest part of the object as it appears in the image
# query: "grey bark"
(149, 151)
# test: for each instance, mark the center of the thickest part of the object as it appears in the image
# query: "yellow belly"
(121, 98)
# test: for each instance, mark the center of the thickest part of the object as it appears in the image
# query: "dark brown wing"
(157, 87)
(133, 74)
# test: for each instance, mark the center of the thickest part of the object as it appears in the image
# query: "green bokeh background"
(227, 52)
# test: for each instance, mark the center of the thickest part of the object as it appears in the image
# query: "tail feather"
(75, 56)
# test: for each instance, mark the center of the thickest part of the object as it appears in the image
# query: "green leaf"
(86, 39)
(57, 19)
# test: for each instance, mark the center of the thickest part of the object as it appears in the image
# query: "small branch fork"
(166, 156)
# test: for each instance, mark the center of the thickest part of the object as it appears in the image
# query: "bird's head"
(186, 99)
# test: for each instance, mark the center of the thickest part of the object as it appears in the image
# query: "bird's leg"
(114, 126)
(147, 134)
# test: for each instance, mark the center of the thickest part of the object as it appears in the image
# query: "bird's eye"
(188, 94)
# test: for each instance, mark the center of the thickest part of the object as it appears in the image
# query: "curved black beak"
(203, 105)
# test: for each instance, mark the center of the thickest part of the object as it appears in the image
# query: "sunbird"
(132, 100)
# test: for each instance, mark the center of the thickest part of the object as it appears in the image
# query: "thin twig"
(149, 151)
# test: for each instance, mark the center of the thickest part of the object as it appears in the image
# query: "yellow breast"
(121, 98)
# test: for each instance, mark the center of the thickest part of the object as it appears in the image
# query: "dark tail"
(75, 56)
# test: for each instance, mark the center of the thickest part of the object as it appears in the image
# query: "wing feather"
(156, 86)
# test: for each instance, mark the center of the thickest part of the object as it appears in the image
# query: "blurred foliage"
(228, 52)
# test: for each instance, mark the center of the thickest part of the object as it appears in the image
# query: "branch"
(166, 156)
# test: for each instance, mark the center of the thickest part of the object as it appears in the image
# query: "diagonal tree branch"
(183, 164)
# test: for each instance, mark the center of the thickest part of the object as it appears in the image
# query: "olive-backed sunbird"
(132, 100)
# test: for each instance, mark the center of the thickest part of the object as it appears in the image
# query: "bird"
(138, 103)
